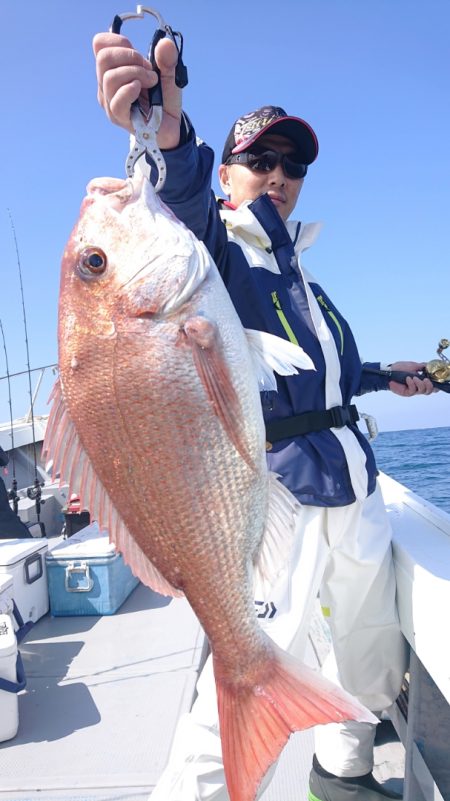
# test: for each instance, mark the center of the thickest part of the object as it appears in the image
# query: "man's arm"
(124, 76)
(371, 382)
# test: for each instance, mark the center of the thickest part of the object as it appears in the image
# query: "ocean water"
(419, 459)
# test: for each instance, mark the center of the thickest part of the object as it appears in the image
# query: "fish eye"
(92, 261)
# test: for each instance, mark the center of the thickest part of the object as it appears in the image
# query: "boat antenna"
(12, 494)
(34, 492)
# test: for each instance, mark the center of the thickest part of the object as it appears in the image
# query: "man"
(343, 544)
(11, 526)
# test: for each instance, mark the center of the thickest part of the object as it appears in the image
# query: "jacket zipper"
(335, 320)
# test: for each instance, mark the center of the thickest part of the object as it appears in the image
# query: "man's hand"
(413, 386)
(124, 75)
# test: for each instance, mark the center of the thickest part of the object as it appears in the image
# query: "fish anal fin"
(203, 337)
(71, 463)
(256, 723)
(140, 564)
(279, 534)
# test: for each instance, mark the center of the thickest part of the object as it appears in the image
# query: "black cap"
(247, 129)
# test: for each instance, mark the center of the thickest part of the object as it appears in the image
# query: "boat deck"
(102, 700)
(103, 694)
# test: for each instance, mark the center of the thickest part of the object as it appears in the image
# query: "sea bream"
(156, 424)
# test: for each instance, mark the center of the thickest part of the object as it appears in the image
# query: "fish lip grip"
(146, 124)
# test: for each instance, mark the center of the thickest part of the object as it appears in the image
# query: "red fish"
(156, 424)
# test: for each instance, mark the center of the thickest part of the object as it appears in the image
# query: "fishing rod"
(12, 493)
(400, 376)
(437, 370)
(34, 492)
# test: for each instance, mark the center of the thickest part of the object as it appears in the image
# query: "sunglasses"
(267, 160)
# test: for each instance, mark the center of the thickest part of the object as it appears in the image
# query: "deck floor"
(102, 700)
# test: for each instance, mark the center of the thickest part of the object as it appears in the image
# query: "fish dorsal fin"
(71, 465)
(271, 354)
(278, 536)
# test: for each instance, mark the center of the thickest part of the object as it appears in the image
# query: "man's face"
(240, 183)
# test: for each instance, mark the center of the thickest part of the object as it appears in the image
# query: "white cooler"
(6, 594)
(24, 560)
(12, 680)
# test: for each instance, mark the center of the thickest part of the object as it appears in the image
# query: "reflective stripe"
(335, 320)
(312, 797)
(283, 319)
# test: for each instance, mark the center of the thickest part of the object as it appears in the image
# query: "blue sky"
(371, 76)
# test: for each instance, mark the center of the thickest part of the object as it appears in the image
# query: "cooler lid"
(89, 542)
(14, 551)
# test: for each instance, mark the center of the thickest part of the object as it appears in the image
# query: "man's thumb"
(166, 56)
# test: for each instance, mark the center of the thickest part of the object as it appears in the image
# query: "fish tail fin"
(256, 723)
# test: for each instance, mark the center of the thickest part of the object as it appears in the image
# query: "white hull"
(104, 694)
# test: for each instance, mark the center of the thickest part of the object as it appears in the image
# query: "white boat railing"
(22, 438)
(20, 432)
(421, 546)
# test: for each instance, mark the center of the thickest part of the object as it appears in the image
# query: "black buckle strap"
(309, 422)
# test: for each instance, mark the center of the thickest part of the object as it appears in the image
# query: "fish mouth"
(118, 191)
(106, 185)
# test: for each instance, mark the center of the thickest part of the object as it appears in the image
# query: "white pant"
(345, 554)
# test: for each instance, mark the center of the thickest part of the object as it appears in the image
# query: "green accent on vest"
(283, 319)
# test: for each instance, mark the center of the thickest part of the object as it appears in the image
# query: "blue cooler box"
(86, 576)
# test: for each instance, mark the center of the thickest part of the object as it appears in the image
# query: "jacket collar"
(243, 224)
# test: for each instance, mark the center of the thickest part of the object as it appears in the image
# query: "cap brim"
(295, 129)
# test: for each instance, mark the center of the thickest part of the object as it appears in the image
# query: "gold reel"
(439, 369)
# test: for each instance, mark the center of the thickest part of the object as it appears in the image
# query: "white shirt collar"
(243, 223)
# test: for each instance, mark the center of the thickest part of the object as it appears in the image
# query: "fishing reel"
(34, 493)
(439, 369)
(14, 497)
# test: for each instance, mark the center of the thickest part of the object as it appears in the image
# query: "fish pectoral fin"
(278, 536)
(204, 339)
(70, 462)
(256, 722)
(271, 354)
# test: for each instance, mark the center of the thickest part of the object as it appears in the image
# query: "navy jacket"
(313, 466)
